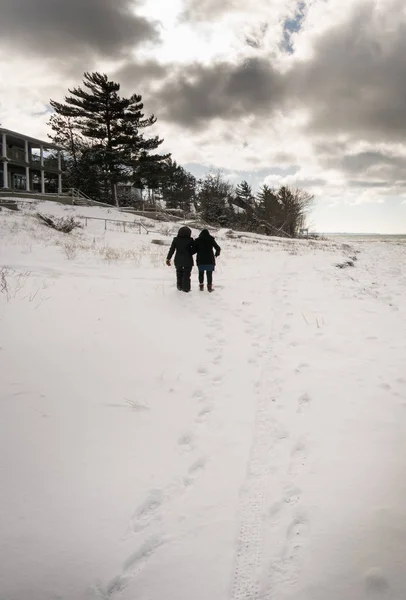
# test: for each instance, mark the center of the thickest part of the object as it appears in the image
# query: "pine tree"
(178, 188)
(110, 124)
(213, 198)
(149, 173)
(244, 194)
(269, 208)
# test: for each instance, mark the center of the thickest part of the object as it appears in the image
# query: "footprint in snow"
(133, 564)
(298, 458)
(217, 358)
(303, 403)
(301, 367)
(376, 584)
(296, 528)
(292, 495)
(146, 510)
(198, 394)
(186, 441)
(144, 552)
(194, 471)
(203, 414)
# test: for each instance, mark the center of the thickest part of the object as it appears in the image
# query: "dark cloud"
(64, 28)
(356, 81)
(197, 94)
(354, 85)
(362, 162)
(380, 168)
(138, 77)
(304, 183)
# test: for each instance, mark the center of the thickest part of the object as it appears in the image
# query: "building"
(28, 164)
(128, 192)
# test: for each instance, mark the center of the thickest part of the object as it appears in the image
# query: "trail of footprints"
(284, 567)
(148, 515)
(282, 564)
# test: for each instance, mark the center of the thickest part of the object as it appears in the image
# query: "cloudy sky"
(310, 93)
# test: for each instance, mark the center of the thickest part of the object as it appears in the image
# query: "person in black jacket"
(204, 247)
(182, 244)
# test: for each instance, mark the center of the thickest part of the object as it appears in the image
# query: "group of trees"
(275, 212)
(104, 146)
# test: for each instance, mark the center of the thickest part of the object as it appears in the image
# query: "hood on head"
(205, 234)
(185, 232)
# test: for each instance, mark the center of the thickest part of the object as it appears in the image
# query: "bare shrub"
(3, 282)
(345, 264)
(11, 291)
(109, 253)
(70, 249)
(165, 230)
(63, 224)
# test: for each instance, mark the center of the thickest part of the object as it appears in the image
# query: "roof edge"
(30, 139)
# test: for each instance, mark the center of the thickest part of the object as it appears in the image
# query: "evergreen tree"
(294, 206)
(244, 195)
(178, 188)
(213, 199)
(269, 208)
(111, 126)
(149, 173)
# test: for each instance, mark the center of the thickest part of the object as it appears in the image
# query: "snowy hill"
(247, 444)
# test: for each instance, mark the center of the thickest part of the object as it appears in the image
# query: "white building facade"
(28, 164)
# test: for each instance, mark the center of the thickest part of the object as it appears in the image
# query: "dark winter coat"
(182, 245)
(204, 248)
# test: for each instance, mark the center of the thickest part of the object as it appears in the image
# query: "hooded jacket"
(204, 248)
(182, 247)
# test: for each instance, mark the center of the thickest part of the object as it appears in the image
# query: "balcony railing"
(16, 154)
(51, 163)
(34, 160)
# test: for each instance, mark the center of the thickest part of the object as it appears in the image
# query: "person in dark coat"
(182, 247)
(207, 250)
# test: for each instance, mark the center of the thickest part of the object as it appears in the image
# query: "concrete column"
(4, 145)
(27, 179)
(27, 168)
(59, 174)
(41, 151)
(5, 174)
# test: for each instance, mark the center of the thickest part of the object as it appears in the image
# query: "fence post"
(124, 225)
(105, 224)
(86, 221)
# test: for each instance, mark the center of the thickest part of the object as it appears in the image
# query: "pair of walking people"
(184, 247)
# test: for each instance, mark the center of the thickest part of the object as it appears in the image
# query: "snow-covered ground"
(244, 445)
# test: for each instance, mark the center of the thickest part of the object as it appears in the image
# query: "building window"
(19, 181)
